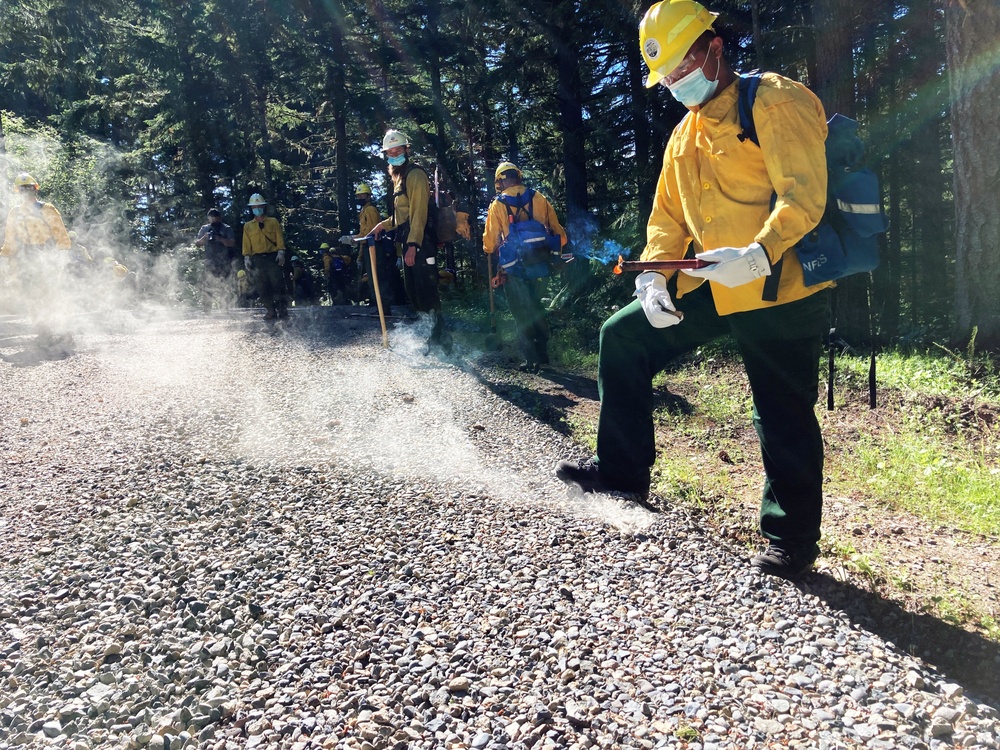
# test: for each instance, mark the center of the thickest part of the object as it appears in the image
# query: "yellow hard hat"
(325, 246)
(363, 189)
(667, 32)
(504, 167)
(240, 274)
(25, 180)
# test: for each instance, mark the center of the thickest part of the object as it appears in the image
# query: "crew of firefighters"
(410, 248)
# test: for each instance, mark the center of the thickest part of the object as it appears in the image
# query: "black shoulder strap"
(523, 202)
(746, 96)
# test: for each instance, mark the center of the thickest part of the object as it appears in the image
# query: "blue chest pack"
(528, 247)
(846, 239)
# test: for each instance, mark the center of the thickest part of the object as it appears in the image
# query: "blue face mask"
(694, 89)
(258, 211)
(396, 161)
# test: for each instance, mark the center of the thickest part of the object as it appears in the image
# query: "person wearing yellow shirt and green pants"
(523, 291)
(742, 208)
(37, 245)
(409, 224)
(264, 256)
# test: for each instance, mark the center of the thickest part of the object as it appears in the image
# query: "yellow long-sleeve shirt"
(715, 190)
(368, 219)
(497, 225)
(409, 207)
(34, 224)
(262, 236)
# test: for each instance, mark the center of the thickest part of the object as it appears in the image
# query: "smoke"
(402, 412)
(114, 277)
(588, 242)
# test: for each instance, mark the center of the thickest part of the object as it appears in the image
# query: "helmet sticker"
(652, 49)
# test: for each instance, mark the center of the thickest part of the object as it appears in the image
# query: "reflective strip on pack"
(859, 208)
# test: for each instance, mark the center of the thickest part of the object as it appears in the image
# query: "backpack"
(845, 241)
(528, 248)
(441, 221)
(446, 220)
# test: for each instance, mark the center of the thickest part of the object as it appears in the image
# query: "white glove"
(248, 262)
(281, 257)
(733, 266)
(651, 289)
(347, 239)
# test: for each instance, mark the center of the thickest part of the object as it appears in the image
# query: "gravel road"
(217, 535)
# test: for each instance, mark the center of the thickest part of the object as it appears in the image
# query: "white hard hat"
(394, 138)
(257, 200)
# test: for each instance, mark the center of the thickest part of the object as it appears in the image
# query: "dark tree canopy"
(140, 116)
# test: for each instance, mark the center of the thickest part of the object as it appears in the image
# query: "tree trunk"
(758, 34)
(338, 99)
(933, 230)
(571, 124)
(973, 26)
(836, 34)
(887, 282)
(265, 142)
(646, 171)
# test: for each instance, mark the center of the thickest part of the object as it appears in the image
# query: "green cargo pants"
(270, 280)
(524, 298)
(780, 347)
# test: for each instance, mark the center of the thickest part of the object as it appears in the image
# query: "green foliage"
(931, 372)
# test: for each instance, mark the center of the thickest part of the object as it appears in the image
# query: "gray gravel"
(217, 537)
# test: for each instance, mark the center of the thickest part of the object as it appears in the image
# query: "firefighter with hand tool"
(412, 225)
(740, 208)
(264, 255)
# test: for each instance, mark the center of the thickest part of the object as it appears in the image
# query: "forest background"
(138, 116)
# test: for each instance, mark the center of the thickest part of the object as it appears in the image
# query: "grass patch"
(931, 478)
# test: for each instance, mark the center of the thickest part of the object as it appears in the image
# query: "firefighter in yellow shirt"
(516, 207)
(385, 251)
(413, 236)
(264, 256)
(37, 245)
(715, 194)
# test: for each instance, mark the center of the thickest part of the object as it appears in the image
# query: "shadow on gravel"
(963, 657)
(32, 356)
(549, 395)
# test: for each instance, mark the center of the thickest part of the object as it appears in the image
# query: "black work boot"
(587, 475)
(785, 562)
